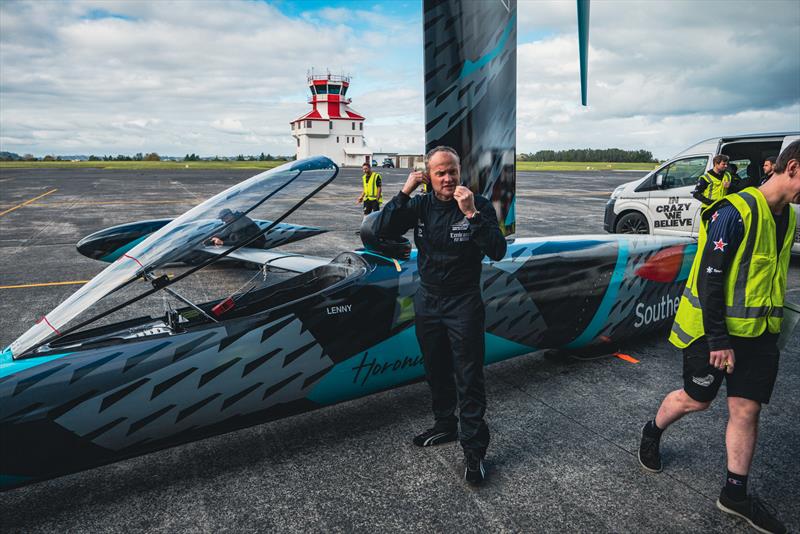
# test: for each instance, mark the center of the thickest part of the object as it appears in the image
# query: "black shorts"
(371, 205)
(753, 376)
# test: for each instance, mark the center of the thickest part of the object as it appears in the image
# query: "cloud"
(232, 72)
(662, 75)
(227, 77)
(229, 125)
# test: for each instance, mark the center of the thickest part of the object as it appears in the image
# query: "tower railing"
(328, 77)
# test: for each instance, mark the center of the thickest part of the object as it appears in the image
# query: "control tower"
(331, 128)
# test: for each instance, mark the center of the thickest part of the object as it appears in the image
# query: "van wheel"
(632, 223)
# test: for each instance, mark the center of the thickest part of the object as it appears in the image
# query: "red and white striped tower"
(331, 128)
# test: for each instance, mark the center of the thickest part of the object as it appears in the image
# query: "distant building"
(331, 128)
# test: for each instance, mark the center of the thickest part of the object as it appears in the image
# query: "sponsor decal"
(649, 313)
(703, 381)
(710, 270)
(345, 308)
(459, 232)
(673, 214)
(420, 228)
(715, 216)
(720, 245)
(369, 369)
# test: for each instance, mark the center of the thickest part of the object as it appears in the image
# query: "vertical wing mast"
(471, 93)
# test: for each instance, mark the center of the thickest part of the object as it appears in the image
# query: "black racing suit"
(449, 311)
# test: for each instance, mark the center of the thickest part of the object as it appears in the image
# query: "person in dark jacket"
(238, 228)
(753, 179)
(769, 169)
(453, 231)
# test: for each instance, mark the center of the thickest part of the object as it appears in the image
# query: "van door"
(671, 206)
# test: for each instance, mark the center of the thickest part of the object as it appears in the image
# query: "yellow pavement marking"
(116, 202)
(46, 284)
(18, 206)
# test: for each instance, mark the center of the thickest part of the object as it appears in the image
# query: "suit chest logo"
(459, 232)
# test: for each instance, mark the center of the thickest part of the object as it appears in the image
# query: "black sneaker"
(474, 473)
(649, 455)
(434, 436)
(754, 511)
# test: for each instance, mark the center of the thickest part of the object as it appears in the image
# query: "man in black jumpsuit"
(453, 231)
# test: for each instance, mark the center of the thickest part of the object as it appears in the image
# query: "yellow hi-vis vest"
(756, 279)
(371, 186)
(716, 188)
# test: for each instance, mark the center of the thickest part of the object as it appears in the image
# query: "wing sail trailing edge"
(471, 93)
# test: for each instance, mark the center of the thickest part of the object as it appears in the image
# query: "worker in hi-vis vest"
(728, 322)
(715, 183)
(371, 194)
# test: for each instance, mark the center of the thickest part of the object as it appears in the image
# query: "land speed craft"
(77, 393)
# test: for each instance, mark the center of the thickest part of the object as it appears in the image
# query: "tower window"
(361, 125)
(330, 125)
(337, 138)
(354, 126)
(308, 124)
(298, 142)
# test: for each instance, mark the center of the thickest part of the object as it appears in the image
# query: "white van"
(662, 202)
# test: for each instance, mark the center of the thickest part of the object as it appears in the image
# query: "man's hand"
(466, 200)
(360, 198)
(723, 360)
(413, 181)
(217, 242)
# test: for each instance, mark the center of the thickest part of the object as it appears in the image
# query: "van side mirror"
(659, 180)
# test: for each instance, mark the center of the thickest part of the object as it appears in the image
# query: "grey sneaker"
(649, 454)
(754, 511)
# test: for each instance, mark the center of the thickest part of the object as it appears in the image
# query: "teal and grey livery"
(95, 396)
(111, 243)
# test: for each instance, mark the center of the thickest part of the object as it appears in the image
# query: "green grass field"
(582, 166)
(142, 165)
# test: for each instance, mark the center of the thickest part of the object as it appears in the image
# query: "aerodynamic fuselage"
(125, 389)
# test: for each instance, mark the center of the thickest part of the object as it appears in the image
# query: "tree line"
(610, 155)
(150, 156)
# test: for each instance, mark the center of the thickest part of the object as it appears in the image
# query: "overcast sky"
(225, 78)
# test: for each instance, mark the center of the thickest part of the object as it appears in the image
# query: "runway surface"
(564, 431)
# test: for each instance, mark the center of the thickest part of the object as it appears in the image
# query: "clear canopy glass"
(226, 217)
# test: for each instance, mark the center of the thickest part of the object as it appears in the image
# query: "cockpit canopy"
(269, 195)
